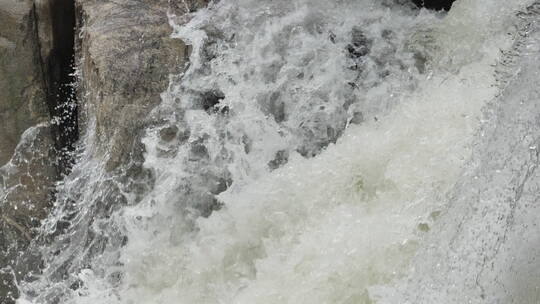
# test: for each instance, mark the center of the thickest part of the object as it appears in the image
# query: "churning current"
(315, 151)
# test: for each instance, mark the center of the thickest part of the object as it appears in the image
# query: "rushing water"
(319, 152)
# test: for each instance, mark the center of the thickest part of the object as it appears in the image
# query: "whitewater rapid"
(313, 152)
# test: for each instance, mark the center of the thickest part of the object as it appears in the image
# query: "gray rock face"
(28, 178)
(26, 192)
(30, 173)
(22, 94)
(28, 167)
(127, 57)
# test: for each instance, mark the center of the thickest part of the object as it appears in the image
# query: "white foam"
(324, 229)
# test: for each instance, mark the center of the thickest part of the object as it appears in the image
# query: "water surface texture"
(315, 151)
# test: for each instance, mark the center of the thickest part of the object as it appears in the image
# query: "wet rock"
(281, 158)
(210, 51)
(28, 178)
(168, 134)
(317, 132)
(276, 107)
(26, 194)
(357, 118)
(332, 37)
(198, 151)
(210, 101)
(28, 152)
(8, 287)
(272, 105)
(247, 143)
(221, 184)
(358, 49)
(22, 83)
(36, 72)
(171, 136)
(205, 189)
(125, 55)
(360, 44)
(128, 57)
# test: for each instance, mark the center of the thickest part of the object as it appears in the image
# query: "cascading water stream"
(303, 157)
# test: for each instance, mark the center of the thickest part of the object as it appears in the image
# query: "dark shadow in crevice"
(61, 95)
(434, 4)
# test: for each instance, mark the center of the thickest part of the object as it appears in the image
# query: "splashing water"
(304, 157)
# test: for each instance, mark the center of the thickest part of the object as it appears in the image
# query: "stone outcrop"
(126, 56)
(22, 86)
(27, 180)
(29, 140)
(26, 193)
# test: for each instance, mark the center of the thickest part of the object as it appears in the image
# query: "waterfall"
(315, 151)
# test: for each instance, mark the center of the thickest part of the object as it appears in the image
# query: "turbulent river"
(315, 151)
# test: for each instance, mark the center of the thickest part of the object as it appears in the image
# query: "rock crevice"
(60, 79)
(38, 122)
(54, 34)
(434, 4)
